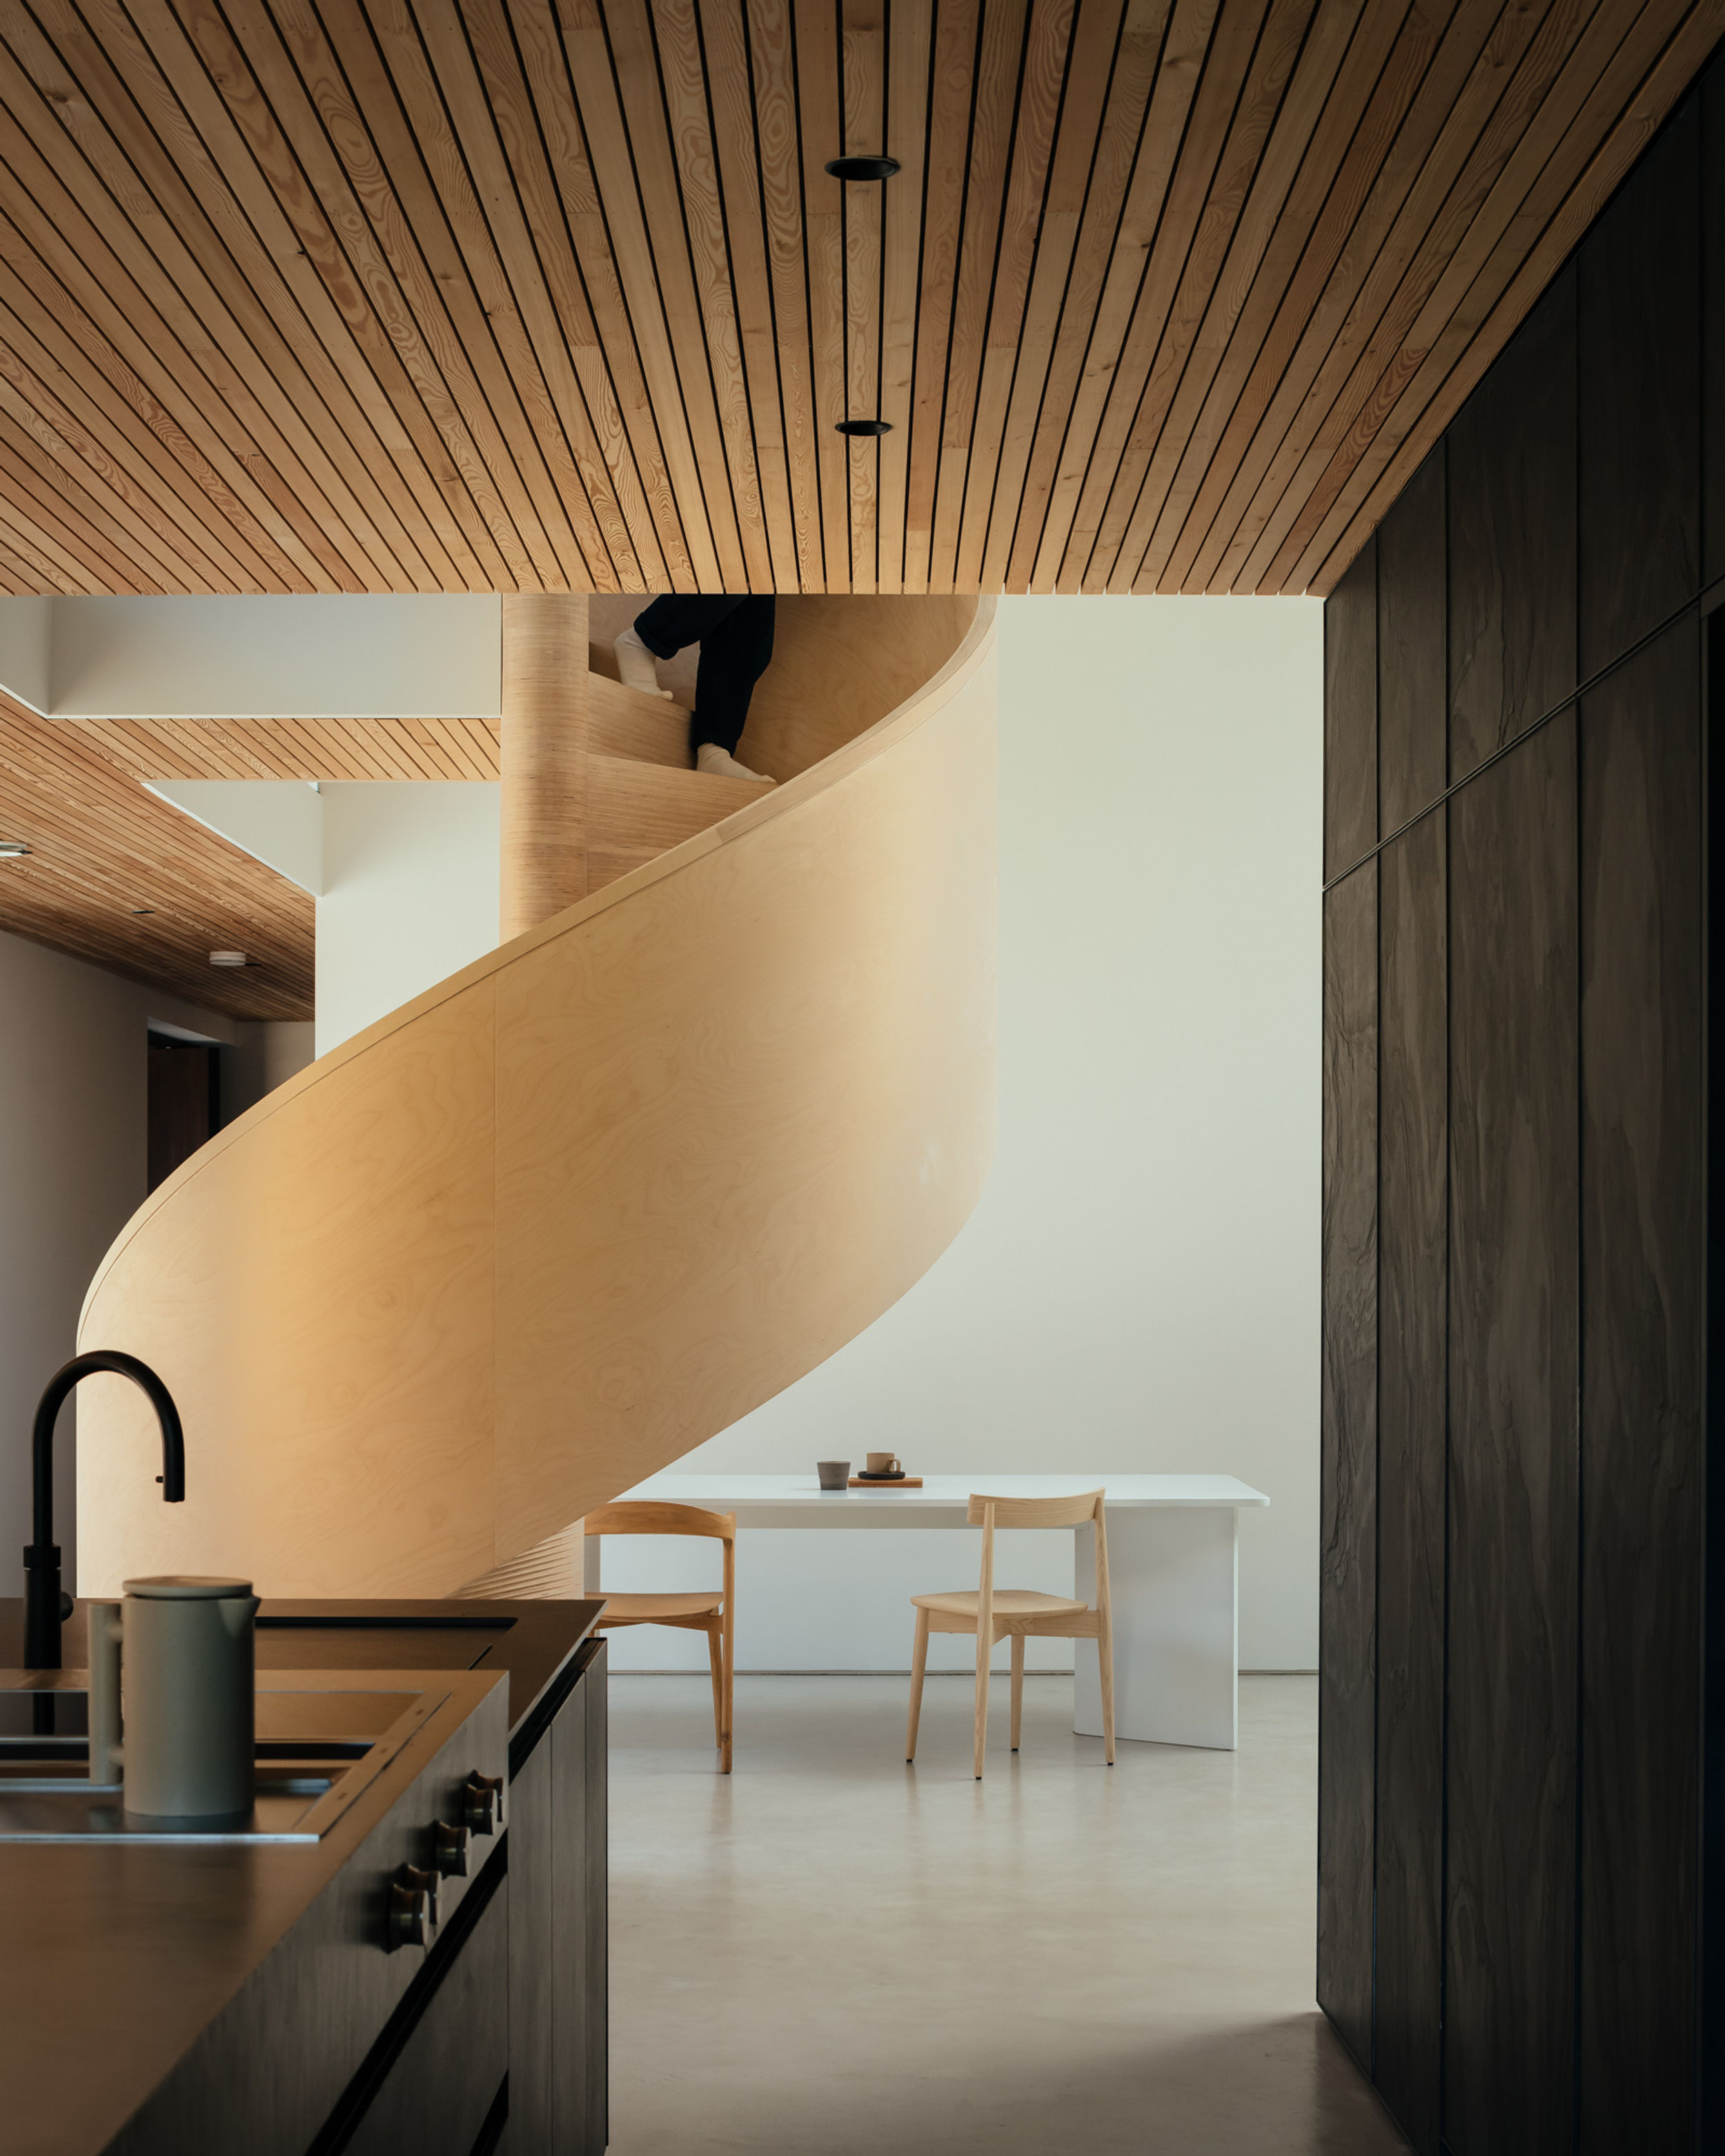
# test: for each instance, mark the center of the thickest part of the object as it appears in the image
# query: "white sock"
(709, 757)
(636, 666)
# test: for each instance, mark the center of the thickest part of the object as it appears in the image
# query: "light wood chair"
(713, 1613)
(1018, 1612)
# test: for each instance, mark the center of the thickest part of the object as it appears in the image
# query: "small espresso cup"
(834, 1474)
(883, 1463)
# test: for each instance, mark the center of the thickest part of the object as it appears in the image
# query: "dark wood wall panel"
(1347, 1574)
(1512, 514)
(1712, 297)
(1642, 1277)
(1412, 606)
(1413, 1244)
(1351, 716)
(1639, 313)
(1510, 2002)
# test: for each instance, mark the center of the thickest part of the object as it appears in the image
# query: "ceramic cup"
(182, 1650)
(834, 1474)
(883, 1463)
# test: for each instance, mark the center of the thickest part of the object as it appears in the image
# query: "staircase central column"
(544, 745)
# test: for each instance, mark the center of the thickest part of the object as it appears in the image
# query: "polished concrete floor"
(830, 1953)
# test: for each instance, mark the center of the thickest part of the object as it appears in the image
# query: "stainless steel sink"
(317, 1749)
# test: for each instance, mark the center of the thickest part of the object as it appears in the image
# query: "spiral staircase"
(552, 1225)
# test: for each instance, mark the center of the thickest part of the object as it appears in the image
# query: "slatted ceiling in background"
(469, 294)
(295, 748)
(104, 848)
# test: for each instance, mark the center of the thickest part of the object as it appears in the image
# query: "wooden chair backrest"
(988, 1513)
(646, 1518)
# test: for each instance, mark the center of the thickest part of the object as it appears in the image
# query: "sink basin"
(318, 1748)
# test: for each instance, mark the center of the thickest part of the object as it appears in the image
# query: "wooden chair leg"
(1018, 1687)
(919, 1662)
(715, 1657)
(730, 1664)
(984, 1649)
(1105, 1657)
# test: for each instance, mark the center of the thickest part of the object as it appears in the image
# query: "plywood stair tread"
(629, 724)
(631, 805)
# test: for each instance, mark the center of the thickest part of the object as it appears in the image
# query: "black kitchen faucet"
(46, 1608)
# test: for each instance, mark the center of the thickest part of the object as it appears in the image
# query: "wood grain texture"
(1413, 605)
(501, 1279)
(1348, 1577)
(1639, 314)
(1641, 1397)
(1513, 538)
(557, 295)
(1712, 301)
(1412, 1245)
(1351, 716)
(1509, 2049)
(120, 879)
(545, 765)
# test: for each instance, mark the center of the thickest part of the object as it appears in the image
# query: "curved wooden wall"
(546, 1228)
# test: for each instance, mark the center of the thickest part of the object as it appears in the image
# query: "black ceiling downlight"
(862, 168)
(863, 429)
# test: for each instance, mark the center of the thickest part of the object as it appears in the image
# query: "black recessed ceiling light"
(143, 909)
(862, 168)
(12, 849)
(863, 429)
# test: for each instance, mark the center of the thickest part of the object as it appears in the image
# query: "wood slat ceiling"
(118, 878)
(476, 295)
(295, 748)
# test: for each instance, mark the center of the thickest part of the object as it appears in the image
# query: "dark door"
(185, 1102)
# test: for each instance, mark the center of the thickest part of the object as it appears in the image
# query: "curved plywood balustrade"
(548, 1227)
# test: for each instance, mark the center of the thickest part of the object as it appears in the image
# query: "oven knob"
(412, 1908)
(482, 1803)
(448, 1850)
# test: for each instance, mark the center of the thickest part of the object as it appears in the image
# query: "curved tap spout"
(45, 1609)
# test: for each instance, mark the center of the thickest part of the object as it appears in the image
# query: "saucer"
(864, 1475)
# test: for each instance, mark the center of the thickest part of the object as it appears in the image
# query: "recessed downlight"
(227, 958)
(864, 430)
(12, 849)
(862, 168)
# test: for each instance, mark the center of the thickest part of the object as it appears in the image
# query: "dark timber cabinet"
(1521, 1812)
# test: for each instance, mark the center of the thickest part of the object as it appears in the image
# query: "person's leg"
(661, 630)
(734, 655)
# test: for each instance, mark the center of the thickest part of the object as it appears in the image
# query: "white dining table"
(1173, 1569)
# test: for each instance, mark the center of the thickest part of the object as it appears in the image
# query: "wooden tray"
(874, 1482)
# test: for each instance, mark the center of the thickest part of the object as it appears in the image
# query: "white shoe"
(709, 757)
(636, 666)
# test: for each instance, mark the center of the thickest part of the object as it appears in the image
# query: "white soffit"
(277, 821)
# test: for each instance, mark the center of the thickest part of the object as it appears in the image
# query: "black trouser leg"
(736, 640)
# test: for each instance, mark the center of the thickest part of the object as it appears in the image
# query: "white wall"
(1139, 1290)
(410, 894)
(423, 656)
(73, 1101)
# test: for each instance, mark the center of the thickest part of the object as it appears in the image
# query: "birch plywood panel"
(677, 1143)
(480, 295)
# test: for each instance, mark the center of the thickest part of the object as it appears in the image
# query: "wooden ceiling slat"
(819, 117)
(683, 81)
(1273, 204)
(1600, 77)
(1043, 84)
(728, 201)
(507, 157)
(1179, 76)
(1455, 239)
(951, 96)
(1386, 63)
(778, 149)
(1000, 61)
(1466, 83)
(398, 498)
(479, 295)
(1036, 439)
(911, 30)
(647, 170)
(1090, 80)
(107, 122)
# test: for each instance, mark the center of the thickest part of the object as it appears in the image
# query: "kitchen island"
(412, 1955)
